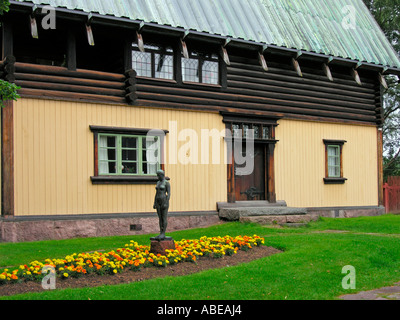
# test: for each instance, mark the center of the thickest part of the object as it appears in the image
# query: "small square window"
(334, 162)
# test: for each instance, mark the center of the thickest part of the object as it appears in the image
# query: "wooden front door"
(252, 186)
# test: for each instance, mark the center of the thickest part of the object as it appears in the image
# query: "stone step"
(288, 220)
(250, 204)
(234, 214)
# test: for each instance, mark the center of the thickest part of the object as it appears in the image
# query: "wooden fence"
(391, 195)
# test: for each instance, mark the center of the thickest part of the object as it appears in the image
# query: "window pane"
(107, 154)
(150, 150)
(190, 70)
(107, 149)
(210, 72)
(150, 168)
(107, 142)
(333, 151)
(148, 142)
(112, 154)
(164, 66)
(256, 131)
(141, 63)
(129, 168)
(129, 142)
(106, 167)
(236, 131)
(265, 133)
(246, 129)
(129, 155)
(334, 161)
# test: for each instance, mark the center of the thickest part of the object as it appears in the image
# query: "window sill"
(192, 83)
(334, 180)
(156, 79)
(124, 180)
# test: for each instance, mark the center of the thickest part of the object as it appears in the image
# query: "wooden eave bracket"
(183, 45)
(140, 41)
(296, 64)
(139, 37)
(33, 23)
(327, 70)
(355, 74)
(261, 58)
(382, 79)
(224, 52)
(89, 30)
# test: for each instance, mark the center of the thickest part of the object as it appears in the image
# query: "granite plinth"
(159, 246)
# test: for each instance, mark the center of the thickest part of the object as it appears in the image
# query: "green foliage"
(387, 14)
(4, 6)
(8, 91)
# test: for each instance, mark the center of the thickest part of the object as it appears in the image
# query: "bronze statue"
(161, 203)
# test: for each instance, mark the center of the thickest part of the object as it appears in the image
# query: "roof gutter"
(121, 22)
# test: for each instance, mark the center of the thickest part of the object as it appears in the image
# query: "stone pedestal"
(159, 247)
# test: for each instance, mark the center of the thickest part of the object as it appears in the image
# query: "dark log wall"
(280, 91)
(249, 89)
(60, 83)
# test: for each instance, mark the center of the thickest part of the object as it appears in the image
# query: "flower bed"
(133, 256)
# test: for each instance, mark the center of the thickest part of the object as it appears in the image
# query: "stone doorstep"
(280, 213)
(250, 204)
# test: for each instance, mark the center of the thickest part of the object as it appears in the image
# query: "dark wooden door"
(252, 186)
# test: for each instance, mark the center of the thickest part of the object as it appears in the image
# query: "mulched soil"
(128, 276)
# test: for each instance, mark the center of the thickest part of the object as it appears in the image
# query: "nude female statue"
(161, 203)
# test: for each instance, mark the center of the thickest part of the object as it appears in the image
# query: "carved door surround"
(260, 183)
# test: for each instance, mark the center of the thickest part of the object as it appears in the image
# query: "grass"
(310, 268)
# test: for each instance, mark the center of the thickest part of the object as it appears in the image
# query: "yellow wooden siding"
(300, 164)
(54, 160)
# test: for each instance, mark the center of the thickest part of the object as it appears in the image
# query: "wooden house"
(112, 91)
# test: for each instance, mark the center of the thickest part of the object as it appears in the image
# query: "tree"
(4, 6)
(8, 91)
(387, 15)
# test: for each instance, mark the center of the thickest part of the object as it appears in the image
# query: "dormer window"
(201, 68)
(156, 62)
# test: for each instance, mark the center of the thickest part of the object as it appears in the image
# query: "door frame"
(269, 148)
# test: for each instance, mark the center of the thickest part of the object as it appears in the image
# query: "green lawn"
(309, 268)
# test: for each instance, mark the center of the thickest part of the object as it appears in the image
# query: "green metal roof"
(308, 25)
